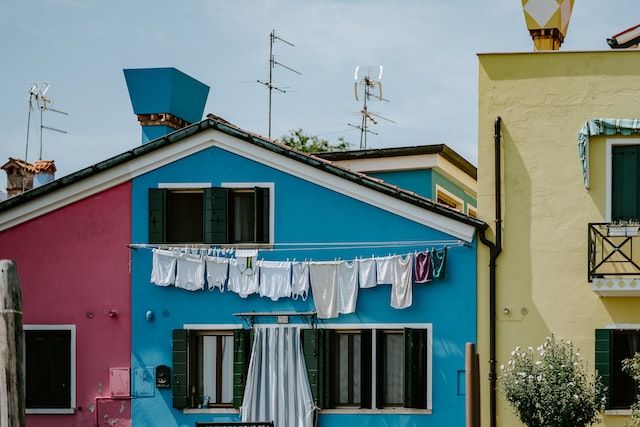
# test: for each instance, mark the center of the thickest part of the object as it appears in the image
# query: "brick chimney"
(45, 172)
(547, 21)
(164, 99)
(19, 176)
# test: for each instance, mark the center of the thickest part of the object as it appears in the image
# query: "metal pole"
(12, 392)
(271, 36)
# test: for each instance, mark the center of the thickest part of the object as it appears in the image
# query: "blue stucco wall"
(304, 212)
(418, 181)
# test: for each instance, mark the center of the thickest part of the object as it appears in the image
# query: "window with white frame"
(374, 368)
(222, 215)
(612, 347)
(448, 199)
(210, 367)
(50, 368)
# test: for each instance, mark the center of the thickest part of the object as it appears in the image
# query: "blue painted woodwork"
(416, 180)
(304, 212)
(166, 90)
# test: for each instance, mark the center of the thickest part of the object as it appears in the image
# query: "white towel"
(384, 270)
(275, 279)
(243, 277)
(299, 280)
(367, 273)
(347, 287)
(163, 272)
(324, 285)
(217, 272)
(190, 272)
(401, 287)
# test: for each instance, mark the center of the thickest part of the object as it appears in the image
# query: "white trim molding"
(213, 138)
(184, 185)
(72, 350)
(616, 286)
(610, 142)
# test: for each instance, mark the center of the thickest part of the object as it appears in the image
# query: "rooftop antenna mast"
(38, 96)
(371, 88)
(272, 63)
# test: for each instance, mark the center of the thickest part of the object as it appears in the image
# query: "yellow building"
(555, 273)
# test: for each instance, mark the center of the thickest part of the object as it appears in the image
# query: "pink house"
(73, 267)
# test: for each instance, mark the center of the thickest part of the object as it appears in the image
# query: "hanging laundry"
(299, 280)
(243, 276)
(246, 253)
(401, 287)
(190, 272)
(367, 272)
(324, 286)
(439, 263)
(422, 271)
(163, 271)
(275, 279)
(217, 272)
(384, 270)
(347, 287)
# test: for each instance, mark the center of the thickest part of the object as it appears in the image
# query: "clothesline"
(314, 246)
(334, 284)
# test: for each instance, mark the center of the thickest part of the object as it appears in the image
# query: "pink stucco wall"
(73, 262)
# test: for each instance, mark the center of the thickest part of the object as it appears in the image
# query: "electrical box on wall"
(120, 382)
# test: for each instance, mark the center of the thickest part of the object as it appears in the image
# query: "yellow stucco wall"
(544, 98)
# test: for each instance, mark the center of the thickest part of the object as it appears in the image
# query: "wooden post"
(472, 385)
(12, 393)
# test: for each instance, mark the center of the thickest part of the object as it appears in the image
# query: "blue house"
(228, 226)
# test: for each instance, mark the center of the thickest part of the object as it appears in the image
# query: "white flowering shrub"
(632, 367)
(550, 387)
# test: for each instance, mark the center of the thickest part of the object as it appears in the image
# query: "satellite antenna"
(38, 99)
(368, 88)
(272, 63)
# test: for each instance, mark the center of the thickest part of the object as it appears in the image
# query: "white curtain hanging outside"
(277, 386)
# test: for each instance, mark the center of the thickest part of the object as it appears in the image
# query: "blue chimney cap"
(166, 90)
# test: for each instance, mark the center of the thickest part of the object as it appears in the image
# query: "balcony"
(614, 259)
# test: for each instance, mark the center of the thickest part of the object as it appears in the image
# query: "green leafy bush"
(550, 387)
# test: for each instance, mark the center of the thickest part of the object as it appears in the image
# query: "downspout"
(494, 252)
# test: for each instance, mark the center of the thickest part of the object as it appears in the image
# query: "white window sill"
(360, 411)
(211, 411)
(50, 411)
(621, 412)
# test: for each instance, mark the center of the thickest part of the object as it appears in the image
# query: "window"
(612, 347)
(209, 215)
(625, 182)
(50, 368)
(471, 211)
(342, 367)
(448, 199)
(209, 367)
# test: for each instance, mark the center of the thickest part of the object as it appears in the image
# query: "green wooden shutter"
(261, 206)
(157, 197)
(365, 368)
(180, 382)
(215, 216)
(317, 356)
(241, 359)
(625, 199)
(604, 340)
(415, 368)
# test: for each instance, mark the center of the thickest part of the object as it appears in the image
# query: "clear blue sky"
(427, 48)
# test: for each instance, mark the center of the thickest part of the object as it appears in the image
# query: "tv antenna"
(366, 88)
(272, 63)
(38, 99)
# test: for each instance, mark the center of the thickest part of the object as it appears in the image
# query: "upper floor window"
(446, 198)
(625, 182)
(209, 215)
